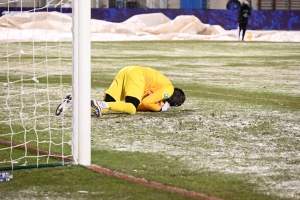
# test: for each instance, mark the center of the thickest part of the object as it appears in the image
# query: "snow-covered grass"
(254, 137)
(241, 116)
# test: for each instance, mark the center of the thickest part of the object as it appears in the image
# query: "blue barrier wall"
(259, 20)
(187, 4)
(192, 4)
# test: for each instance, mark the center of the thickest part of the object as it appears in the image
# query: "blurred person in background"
(244, 13)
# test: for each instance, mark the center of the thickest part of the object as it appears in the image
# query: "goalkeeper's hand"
(165, 107)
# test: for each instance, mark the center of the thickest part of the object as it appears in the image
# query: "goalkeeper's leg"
(66, 103)
(129, 106)
(99, 108)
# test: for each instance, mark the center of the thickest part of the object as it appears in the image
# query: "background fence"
(259, 20)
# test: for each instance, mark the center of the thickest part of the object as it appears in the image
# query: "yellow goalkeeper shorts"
(130, 81)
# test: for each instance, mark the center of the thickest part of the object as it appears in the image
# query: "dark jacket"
(244, 13)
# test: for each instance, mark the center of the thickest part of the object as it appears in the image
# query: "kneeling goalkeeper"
(135, 88)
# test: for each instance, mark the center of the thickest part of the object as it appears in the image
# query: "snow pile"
(54, 26)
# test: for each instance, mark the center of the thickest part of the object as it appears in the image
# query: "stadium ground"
(236, 137)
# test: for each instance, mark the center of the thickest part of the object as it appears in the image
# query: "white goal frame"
(80, 127)
(81, 121)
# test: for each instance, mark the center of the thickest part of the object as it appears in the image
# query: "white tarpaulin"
(54, 26)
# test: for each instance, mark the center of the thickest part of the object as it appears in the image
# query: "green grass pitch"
(236, 137)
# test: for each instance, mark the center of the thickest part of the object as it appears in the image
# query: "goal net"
(39, 66)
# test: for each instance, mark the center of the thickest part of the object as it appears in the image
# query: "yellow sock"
(121, 106)
(105, 110)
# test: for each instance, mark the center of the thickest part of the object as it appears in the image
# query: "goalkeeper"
(135, 88)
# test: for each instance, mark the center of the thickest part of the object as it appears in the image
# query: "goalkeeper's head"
(177, 98)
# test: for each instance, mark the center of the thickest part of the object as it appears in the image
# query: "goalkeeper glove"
(165, 107)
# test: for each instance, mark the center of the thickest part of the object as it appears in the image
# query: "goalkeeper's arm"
(151, 101)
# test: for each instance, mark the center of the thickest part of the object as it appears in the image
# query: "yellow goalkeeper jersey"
(157, 88)
(143, 83)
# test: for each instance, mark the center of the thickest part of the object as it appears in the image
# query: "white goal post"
(45, 54)
(82, 82)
